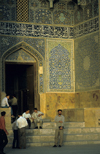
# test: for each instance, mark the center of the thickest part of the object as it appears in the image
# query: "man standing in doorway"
(14, 105)
(3, 133)
(59, 119)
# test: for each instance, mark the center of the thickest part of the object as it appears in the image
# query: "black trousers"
(29, 122)
(15, 140)
(3, 140)
(14, 108)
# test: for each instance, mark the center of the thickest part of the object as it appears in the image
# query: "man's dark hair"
(20, 113)
(14, 95)
(3, 113)
(35, 108)
(27, 109)
(59, 110)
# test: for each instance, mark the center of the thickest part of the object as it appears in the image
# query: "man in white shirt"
(21, 123)
(59, 119)
(5, 104)
(37, 118)
(27, 116)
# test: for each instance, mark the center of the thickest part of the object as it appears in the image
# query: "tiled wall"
(8, 10)
(65, 42)
(49, 35)
(64, 13)
(87, 62)
(86, 11)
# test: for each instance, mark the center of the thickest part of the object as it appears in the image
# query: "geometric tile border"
(37, 30)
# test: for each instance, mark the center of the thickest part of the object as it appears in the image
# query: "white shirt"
(26, 115)
(35, 115)
(21, 122)
(4, 102)
(14, 125)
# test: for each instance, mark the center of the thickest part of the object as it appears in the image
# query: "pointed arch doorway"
(20, 80)
(17, 65)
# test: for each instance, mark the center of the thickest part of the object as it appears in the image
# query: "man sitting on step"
(37, 118)
(59, 119)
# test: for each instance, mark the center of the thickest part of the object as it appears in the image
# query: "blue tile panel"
(31, 15)
(41, 83)
(8, 10)
(59, 69)
(20, 55)
(7, 42)
(43, 16)
(88, 11)
(87, 62)
(62, 17)
(86, 27)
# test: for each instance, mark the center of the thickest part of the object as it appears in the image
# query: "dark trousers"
(22, 137)
(15, 140)
(3, 140)
(14, 108)
(29, 122)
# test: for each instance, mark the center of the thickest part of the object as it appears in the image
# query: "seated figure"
(37, 118)
(27, 116)
(5, 104)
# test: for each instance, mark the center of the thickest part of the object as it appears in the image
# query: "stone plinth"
(74, 115)
(2, 95)
(7, 117)
(51, 102)
(92, 117)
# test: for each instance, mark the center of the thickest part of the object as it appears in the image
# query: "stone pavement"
(70, 149)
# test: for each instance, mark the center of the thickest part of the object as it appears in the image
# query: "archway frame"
(33, 53)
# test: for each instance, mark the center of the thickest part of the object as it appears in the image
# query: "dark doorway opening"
(19, 80)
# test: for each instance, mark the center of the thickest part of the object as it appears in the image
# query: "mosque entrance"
(20, 80)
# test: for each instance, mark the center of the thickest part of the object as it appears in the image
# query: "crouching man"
(37, 118)
(59, 119)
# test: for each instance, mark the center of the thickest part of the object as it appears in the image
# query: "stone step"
(46, 120)
(68, 137)
(66, 124)
(64, 143)
(85, 130)
(51, 131)
(74, 133)
(47, 125)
